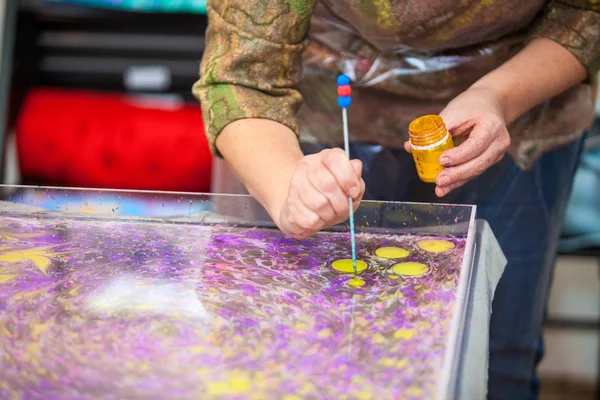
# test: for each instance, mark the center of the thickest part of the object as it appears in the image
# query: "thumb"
(357, 165)
(451, 119)
(457, 123)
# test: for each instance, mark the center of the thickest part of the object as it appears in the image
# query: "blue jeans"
(525, 211)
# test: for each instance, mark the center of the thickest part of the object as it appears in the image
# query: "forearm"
(263, 154)
(542, 70)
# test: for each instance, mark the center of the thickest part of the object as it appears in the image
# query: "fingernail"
(354, 191)
(444, 180)
(444, 161)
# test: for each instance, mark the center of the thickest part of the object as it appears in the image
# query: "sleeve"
(253, 62)
(575, 24)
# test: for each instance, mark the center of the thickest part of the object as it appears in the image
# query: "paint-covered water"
(120, 310)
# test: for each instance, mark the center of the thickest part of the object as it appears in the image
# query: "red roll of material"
(88, 139)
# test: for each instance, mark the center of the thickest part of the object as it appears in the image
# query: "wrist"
(263, 154)
(496, 97)
(272, 191)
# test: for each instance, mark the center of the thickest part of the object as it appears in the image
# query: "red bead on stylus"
(344, 90)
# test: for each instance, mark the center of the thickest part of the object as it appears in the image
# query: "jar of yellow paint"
(429, 138)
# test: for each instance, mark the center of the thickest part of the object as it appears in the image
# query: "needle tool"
(344, 101)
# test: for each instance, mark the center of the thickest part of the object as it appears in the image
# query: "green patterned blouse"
(278, 59)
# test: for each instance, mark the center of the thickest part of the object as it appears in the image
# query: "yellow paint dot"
(356, 282)
(32, 348)
(345, 265)
(378, 339)
(423, 326)
(364, 396)
(410, 269)
(218, 388)
(324, 333)
(403, 334)
(306, 388)
(394, 276)
(37, 329)
(392, 252)
(436, 246)
(240, 385)
(7, 277)
(291, 397)
(387, 362)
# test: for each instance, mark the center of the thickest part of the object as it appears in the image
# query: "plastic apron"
(400, 74)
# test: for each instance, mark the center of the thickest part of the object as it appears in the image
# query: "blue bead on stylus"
(343, 80)
(344, 101)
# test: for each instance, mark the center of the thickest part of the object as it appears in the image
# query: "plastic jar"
(429, 138)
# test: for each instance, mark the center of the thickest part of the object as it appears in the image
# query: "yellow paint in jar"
(429, 138)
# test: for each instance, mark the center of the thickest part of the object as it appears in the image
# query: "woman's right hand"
(318, 193)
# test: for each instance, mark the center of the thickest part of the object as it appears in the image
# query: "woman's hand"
(477, 114)
(318, 193)
(303, 194)
(540, 71)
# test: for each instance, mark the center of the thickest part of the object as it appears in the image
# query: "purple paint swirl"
(98, 309)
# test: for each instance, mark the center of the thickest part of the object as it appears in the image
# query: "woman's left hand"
(478, 114)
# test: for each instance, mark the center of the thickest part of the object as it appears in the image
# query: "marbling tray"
(107, 294)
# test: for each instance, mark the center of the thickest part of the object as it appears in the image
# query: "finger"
(356, 201)
(476, 144)
(338, 164)
(457, 125)
(317, 202)
(302, 219)
(288, 225)
(357, 165)
(363, 187)
(458, 122)
(450, 118)
(407, 147)
(302, 235)
(323, 180)
(443, 191)
(470, 169)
